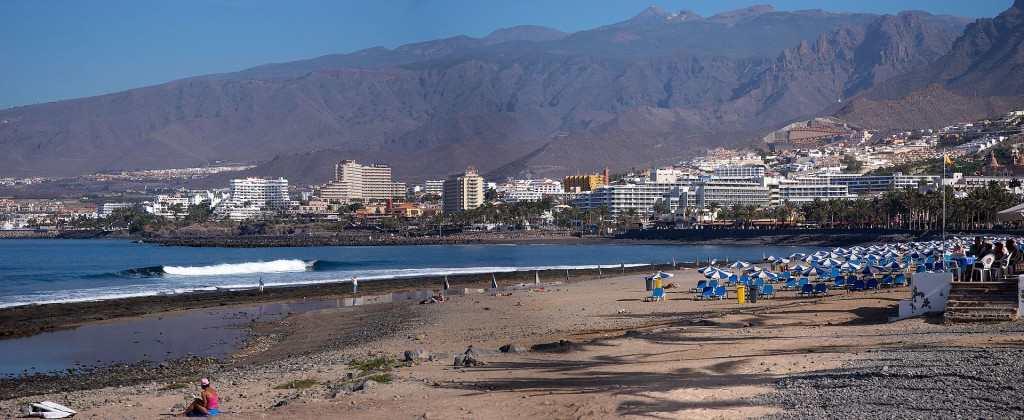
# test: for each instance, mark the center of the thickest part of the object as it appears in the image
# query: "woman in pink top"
(207, 405)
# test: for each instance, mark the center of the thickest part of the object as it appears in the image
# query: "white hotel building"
(730, 186)
(619, 198)
(529, 189)
(254, 198)
(364, 183)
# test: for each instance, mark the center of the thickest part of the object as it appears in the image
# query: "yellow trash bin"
(657, 282)
(741, 294)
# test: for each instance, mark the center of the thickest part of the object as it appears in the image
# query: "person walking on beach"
(355, 284)
(207, 405)
(261, 285)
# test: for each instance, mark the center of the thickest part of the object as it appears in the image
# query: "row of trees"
(136, 219)
(902, 209)
(509, 213)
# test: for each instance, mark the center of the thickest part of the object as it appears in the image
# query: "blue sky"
(59, 49)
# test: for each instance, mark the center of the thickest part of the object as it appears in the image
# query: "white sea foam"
(283, 266)
(276, 266)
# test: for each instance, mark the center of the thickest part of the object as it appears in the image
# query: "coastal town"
(810, 162)
(512, 210)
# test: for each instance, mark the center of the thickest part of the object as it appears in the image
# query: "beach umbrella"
(766, 275)
(801, 268)
(797, 256)
(821, 272)
(829, 262)
(739, 264)
(849, 267)
(494, 281)
(720, 275)
(869, 270)
(771, 258)
(893, 266)
(665, 275)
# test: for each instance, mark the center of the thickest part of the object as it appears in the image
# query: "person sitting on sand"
(207, 405)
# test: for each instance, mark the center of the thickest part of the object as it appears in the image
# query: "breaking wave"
(276, 266)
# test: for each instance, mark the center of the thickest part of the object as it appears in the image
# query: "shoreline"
(371, 321)
(28, 320)
(592, 348)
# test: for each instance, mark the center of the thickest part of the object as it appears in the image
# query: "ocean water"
(50, 271)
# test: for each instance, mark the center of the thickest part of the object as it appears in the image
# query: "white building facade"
(255, 198)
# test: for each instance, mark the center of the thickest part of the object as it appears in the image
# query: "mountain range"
(531, 100)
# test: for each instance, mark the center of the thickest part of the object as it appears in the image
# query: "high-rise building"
(463, 192)
(433, 187)
(583, 183)
(256, 197)
(357, 182)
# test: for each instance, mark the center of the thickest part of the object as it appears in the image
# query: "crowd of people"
(991, 259)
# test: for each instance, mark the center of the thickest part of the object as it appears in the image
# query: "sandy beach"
(593, 349)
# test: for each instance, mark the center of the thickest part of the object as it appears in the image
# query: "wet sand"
(681, 358)
(21, 321)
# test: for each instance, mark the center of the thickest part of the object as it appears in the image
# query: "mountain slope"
(980, 76)
(651, 89)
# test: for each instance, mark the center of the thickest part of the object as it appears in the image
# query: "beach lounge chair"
(857, 286)
(790, 284)
(657, 295)
(758, 282)
(48, 410)
(768, 291)
(700, 286)
(806, 290)
(887, 281)
(708, 293)
(840, 283)
(871, 284)
(721, 292)
(821, 289)
(802, 282)
(900, 281)
(713, 284)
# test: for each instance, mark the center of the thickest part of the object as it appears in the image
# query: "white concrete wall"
(929, 294)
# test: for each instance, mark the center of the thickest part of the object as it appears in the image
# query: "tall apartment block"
(463, 192)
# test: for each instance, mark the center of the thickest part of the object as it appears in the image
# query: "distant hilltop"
(652, 89)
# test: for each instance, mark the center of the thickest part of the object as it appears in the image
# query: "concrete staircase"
(982, 302)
